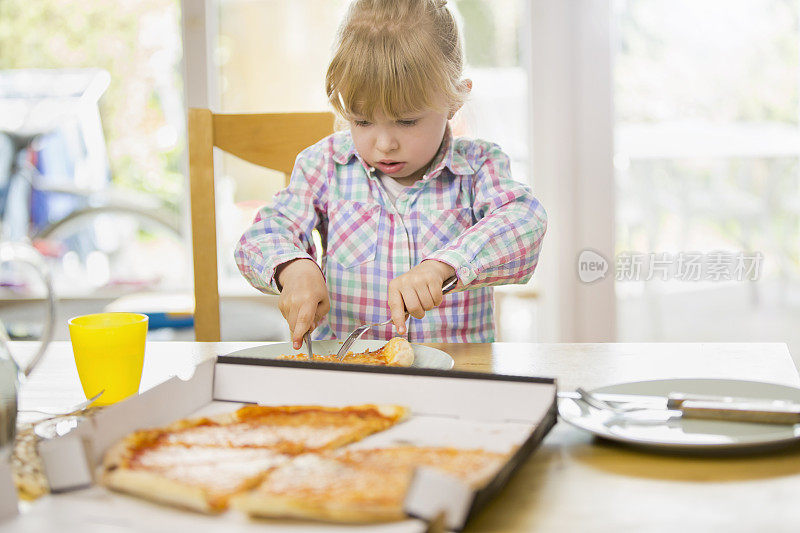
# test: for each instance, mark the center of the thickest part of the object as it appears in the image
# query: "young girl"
(401, 204)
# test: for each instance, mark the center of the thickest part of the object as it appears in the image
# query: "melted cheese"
(302, 437)
(373, 476)
(219, 470)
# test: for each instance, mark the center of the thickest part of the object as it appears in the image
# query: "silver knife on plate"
(710, 407)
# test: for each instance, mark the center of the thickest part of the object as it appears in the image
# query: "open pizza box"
(448, 408)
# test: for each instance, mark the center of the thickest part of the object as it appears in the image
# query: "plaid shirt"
(466, 212)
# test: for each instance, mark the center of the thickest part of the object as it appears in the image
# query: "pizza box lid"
(473, 398)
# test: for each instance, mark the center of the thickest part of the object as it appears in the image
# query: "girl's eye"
(410, 122)
(361, 123)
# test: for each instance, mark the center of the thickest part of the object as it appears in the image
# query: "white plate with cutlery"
(424, 356)
(667, 429)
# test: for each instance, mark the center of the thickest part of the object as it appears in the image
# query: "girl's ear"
(466, 85)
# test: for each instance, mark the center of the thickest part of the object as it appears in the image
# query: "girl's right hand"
(304, 297)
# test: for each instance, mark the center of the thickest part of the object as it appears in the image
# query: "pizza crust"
(398, 351)
(154, 487)
(397, 413)
(390, 411)
(369, 419)
(255, 505)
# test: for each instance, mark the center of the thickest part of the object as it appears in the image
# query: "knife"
(711, 407)
(760, 412)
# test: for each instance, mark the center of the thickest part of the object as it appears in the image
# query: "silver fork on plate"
(603, 405)
(448, 285)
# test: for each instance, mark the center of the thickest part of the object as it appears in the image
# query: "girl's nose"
(385, 142)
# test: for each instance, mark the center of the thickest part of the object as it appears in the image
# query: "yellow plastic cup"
(109, 353)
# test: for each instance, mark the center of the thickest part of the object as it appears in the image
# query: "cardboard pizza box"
(448, 408)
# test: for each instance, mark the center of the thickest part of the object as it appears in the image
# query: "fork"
(448, 285)
(307, 342)
(75, 409)
(593, 401)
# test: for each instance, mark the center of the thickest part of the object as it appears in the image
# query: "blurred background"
(661, 135)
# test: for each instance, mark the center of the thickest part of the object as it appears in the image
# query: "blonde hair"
(396, 57)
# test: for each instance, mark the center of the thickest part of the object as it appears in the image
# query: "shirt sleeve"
(282, 230)
(503, 246)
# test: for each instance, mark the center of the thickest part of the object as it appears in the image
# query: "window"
(707, 148)
(122, 141)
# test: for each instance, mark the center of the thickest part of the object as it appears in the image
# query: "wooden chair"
(269, 140)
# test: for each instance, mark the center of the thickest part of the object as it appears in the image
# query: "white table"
(573, 482)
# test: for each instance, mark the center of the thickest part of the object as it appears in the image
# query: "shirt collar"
(447, 156)
(343, 147)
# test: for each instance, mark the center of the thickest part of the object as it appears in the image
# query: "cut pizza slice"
(199, 463)
(397, 352)
(201, 478)
(358, 485)
(287, 429)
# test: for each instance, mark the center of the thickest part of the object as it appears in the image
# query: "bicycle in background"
(55, 182)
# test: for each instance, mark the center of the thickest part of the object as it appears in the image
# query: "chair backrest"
(270, 140)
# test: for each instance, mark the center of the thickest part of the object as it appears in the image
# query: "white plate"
(424, 356)
(659, 430)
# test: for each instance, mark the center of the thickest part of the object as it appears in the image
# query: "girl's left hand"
(417, 291)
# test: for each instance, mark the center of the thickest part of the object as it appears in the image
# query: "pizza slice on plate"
(397, 352)
(366, 485)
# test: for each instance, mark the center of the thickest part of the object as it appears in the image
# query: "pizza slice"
(358, 485)
(201, 478)
(397, 352)
(288, 429)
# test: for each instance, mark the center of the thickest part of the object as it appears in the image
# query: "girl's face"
(402, 149)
